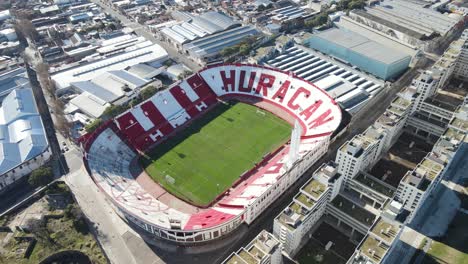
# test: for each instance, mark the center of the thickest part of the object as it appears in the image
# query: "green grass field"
(208, 156)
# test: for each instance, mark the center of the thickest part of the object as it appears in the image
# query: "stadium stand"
(110, 150)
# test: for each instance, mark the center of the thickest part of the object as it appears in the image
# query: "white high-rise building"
(461, 66)
(360, 152)
(425, 85)
(292, 225)
(265, 248)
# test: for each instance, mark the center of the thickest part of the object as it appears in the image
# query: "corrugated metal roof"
(22, 132)
(96, 90)
(215, 43)
(219, 19)
(362, 45)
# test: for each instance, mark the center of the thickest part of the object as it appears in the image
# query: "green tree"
(228, 51)
(244, 49)
(41, 176)
(148, 92)
(113, 111)
(93, 125)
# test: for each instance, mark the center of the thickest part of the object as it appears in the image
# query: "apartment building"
(293, 224)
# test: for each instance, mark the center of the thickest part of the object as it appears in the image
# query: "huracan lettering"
(281, 93)
(291, 103)
(249, 87)
(229, 81)
(322, 119)
(266, 81)
(309, 111)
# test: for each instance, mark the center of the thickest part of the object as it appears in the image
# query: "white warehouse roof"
(22, 135)
(140, 53)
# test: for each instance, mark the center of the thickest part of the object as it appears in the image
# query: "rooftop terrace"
(460, 124)
(314, 188)
(385, 230)
(373, 249)
(451, 133)
(247, 257)
(235, 259)
(401, 102)
(305, 200)
(432, 168)
(293, 216)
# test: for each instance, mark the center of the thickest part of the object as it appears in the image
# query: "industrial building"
(145, 52)
(349, 87)
(23, 142)
(204, 36)
(410, 22)
(193, 27)
(367, 55)
(208, 48)
(109, 88)
(12, 79)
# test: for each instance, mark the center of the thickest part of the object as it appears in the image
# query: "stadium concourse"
(111, 150)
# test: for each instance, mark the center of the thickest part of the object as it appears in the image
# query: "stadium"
(200, 158)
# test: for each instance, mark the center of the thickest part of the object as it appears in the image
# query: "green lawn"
(206, 158)
(453, 248)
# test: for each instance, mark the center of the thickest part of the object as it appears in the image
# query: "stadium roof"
(140, 53)
(22, 135)
(362, 45)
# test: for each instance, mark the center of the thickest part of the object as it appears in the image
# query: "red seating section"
(184, 101)
(141, 139)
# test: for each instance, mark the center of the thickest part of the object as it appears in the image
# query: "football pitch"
(207, 157)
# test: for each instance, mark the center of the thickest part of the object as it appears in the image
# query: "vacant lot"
(206, 158)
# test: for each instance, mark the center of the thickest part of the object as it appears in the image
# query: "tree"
(41, 176)
(244, 49)
(148, 92)
(27, 29)
(184, 74)
(113, 111)
(228, 51)
(318, 20)
(93, 125)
